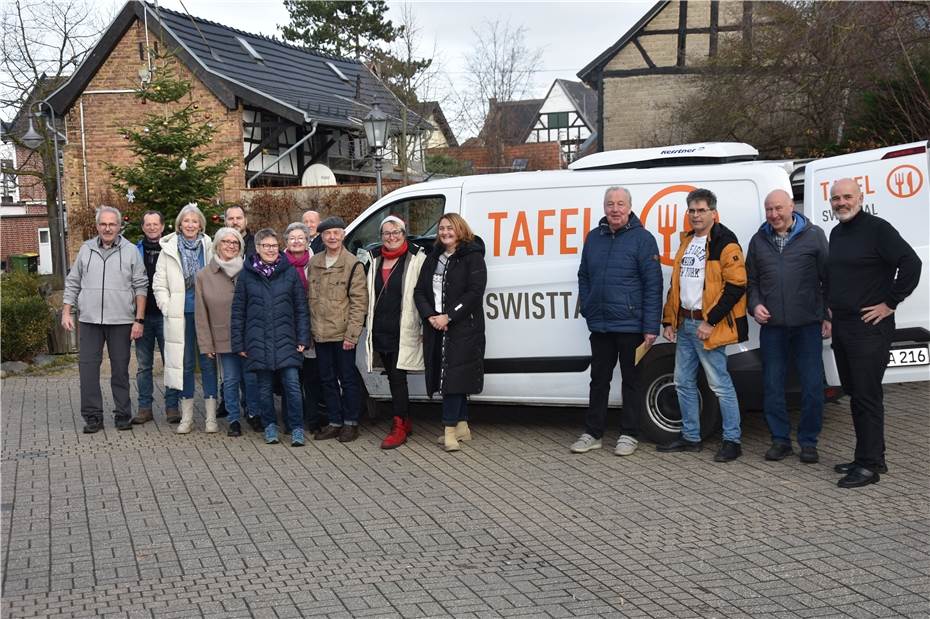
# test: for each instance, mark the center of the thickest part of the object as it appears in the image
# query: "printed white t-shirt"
(691, 277)
(437, 280)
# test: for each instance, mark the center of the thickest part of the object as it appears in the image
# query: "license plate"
(916, 355)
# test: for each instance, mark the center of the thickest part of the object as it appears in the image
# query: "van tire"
(660, 420)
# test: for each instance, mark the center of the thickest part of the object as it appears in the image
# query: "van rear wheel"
(660, 421)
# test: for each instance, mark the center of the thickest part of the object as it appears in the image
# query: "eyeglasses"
(389, 233)
(698, 211)
(230, 242)
(268, 246)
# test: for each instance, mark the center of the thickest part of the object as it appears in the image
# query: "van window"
(420, 214)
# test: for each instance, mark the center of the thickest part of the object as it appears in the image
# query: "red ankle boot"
(398, 435)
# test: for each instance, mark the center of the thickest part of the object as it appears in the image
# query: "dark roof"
(426, 109)
(583, 98)
(587, 74)
(293, 82)
(516, 120)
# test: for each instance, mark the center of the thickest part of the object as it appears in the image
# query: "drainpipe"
(84, 140)
(313, 127)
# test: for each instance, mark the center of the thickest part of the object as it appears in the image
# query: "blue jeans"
(688, 353)
(804, 345)
(207, 365)
(340, 383)
(454, 408)
(250, 393)
(290, 383)
(152, 334)
(232, 365)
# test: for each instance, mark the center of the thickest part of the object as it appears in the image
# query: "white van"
(895, 182)
(533, 225)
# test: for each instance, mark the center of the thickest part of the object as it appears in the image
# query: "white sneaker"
(626, 445)
(585, 443)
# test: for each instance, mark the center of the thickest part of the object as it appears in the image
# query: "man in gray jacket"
(108, 284)
(787, 268)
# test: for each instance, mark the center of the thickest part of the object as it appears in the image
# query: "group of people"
(288, 311)
(278, 312)
(795, 284)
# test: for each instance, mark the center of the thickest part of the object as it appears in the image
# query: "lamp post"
(376, 124)
(32, 140)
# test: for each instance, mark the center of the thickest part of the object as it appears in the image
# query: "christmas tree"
(171, 166)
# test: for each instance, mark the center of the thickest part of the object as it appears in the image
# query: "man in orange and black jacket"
(705, 311)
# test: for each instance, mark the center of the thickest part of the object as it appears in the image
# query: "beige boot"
(187, 416)
(450, 441)
(462, 433)
(210, 405)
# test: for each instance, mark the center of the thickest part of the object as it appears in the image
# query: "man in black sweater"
(871, 269)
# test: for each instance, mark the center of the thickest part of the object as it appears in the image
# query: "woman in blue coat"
(270, 327)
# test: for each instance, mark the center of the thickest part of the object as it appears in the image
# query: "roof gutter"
(299, 142)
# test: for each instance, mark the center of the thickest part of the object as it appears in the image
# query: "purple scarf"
(265, 269)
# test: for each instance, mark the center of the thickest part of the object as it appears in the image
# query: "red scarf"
(299, 264)
(397, 253)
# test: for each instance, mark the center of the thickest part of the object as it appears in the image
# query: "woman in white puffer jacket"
(184, 252)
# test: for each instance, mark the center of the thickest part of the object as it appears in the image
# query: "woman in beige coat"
(394, 328)
(184, 252)
(213, 296)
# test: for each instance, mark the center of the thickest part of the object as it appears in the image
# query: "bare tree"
(412, 78)
(41, 44)
(804, 84)
(500, 67)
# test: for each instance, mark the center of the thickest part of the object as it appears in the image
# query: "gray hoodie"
(103, 283)
(792, 284)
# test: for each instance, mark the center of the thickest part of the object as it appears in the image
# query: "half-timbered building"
(278, 108)
(646, 71)
(568, 115)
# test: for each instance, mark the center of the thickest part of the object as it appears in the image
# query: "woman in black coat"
(450, 298)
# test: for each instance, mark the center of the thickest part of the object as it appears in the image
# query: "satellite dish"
(318, 175)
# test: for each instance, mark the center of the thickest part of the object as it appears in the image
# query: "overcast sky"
(571, 34)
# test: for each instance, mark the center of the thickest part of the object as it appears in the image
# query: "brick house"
(639, 78)
(263, 97)
(501, 145)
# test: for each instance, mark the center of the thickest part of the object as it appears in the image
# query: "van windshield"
(421, 215)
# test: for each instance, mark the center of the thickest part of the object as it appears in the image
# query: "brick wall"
(104, 114)
(31, 188)
(19, 234)
(540, 156)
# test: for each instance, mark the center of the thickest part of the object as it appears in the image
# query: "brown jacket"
(213, 297)
(724, 298)
(337, 306)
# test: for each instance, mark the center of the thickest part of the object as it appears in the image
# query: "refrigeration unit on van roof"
(704, 153)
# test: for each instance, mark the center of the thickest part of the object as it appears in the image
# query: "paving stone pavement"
(150, 524)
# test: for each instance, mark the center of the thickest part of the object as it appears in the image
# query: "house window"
(557, 120)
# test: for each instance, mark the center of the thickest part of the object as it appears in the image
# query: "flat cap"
(329, 223)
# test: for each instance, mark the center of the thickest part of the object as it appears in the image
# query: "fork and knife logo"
(905, 181)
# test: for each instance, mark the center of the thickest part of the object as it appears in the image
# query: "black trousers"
(861, 352)
(313, 393)
(397, 380)
(118, 339)
(606, 350)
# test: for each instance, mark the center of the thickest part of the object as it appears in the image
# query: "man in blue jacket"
(620, 288)
(787, 269)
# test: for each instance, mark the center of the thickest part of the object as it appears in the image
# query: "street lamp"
(376, 125)
(32, 140)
